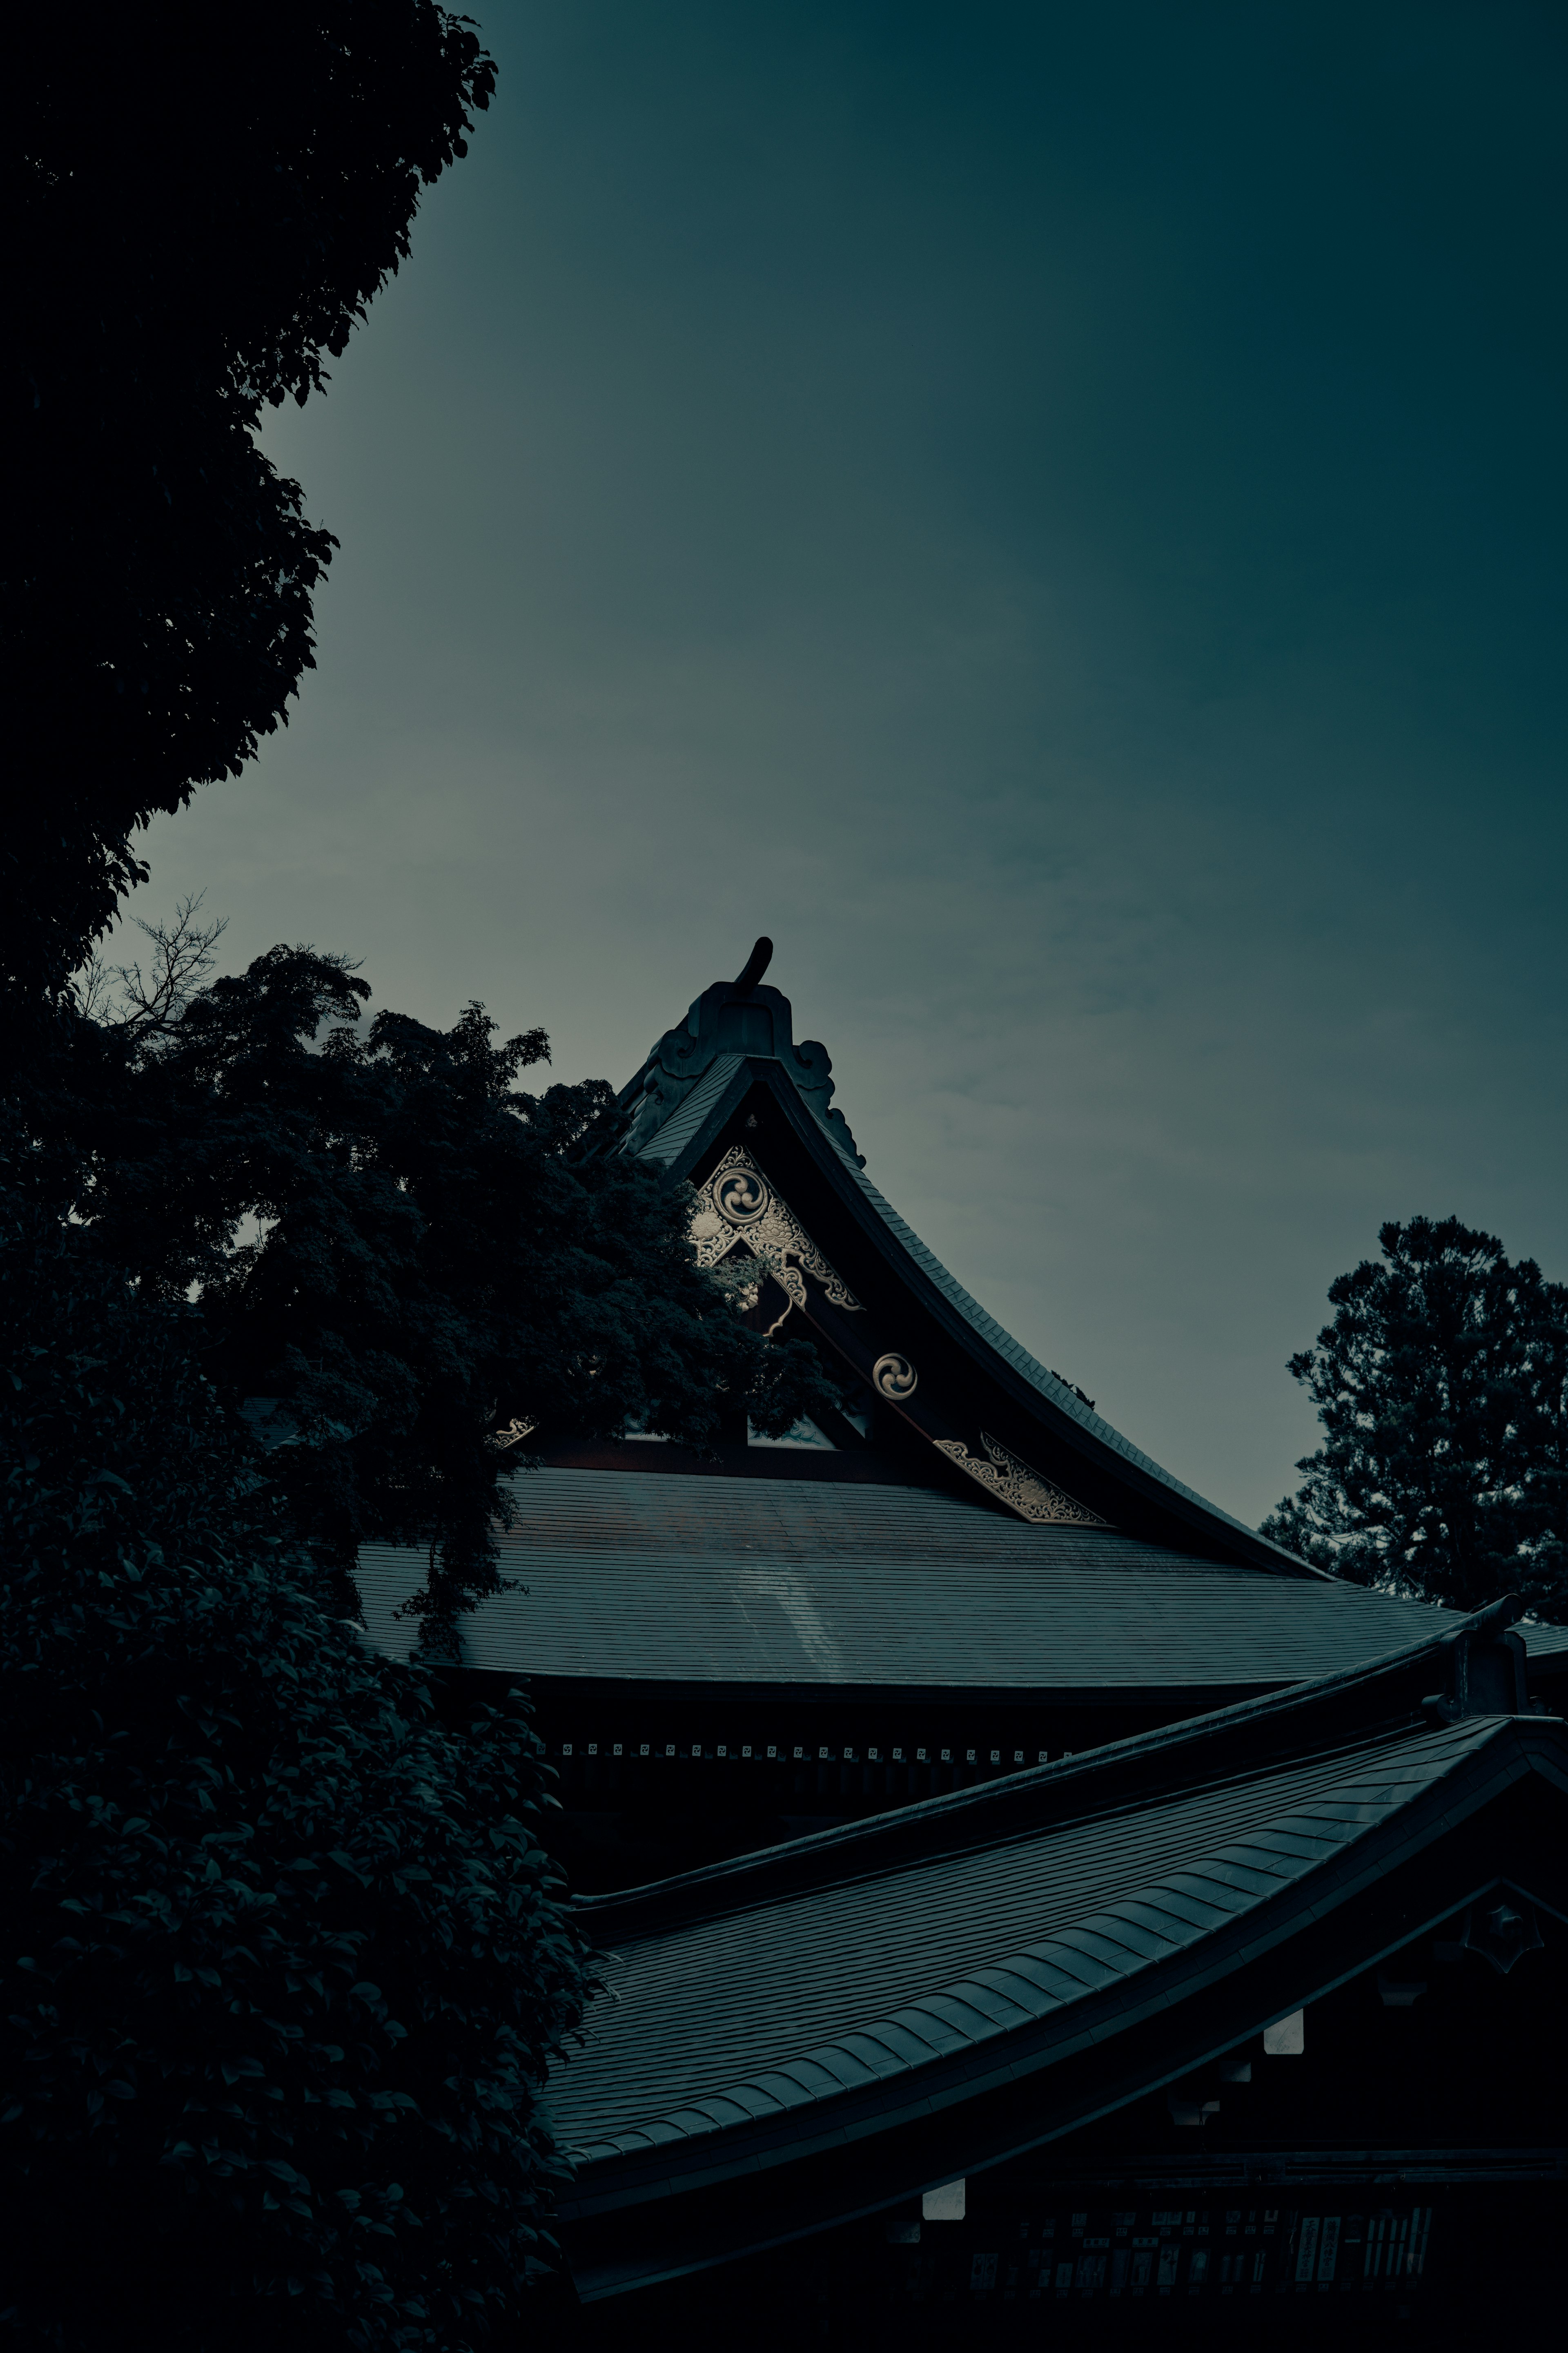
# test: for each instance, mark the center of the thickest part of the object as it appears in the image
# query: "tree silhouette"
(202, 202)
(1442, 1386)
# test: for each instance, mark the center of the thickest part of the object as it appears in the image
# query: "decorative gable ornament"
(1022, 1489)
(1502, 1928)
(740, 1017)
(738, 1205)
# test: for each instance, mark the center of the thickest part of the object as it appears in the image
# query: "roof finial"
(757, 962)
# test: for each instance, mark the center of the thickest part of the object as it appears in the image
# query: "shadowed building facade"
(964, 1801)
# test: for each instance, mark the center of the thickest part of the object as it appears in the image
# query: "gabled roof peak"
(732, 1018)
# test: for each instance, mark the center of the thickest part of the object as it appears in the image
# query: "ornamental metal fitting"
(1023, 1488)
(738, 1207)
(744, 1196)
(895, 1377)
(1501, 1927)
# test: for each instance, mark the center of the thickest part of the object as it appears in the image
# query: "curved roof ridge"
(836, 1851)
(1050, 1385)
(1231, 1870)
(688, 1085)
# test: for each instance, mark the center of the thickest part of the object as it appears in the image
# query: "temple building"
(1022, 1884)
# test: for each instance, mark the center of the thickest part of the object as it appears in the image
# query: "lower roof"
(821, 2029)
(782, 2005)
(798, 1584)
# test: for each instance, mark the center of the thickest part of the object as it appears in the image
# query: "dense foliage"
(285, 1960)
(282, 1959)
(397, 1252)
(1442, 1386)
(201, 204)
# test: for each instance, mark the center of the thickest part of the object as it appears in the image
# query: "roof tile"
(658, 1576)
(920, 1961)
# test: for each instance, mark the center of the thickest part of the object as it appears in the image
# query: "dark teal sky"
(1056, 513)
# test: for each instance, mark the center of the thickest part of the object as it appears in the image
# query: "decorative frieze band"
(709, 1752)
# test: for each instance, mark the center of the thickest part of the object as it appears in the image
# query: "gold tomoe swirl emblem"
(738, 1195)
(895, 1376)
(742, 1197)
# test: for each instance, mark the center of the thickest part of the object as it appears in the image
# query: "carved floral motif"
(1023, 1490)
(738, 1205)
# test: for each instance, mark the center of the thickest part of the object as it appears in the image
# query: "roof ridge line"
(1393, 1732)
(952, 1297)
(1100, 1917)
(822, 1848)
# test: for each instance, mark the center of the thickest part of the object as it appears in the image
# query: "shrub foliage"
(284, 1962)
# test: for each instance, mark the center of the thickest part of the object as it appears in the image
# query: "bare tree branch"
(148, 1004)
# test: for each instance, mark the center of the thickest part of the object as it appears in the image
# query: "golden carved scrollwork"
(1023, 1490)
(738, 1205)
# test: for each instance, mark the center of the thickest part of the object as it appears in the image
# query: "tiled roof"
(1038, 1375)
(690, 1116)
(663, 1576)
(778, 2005)
(699, 1120)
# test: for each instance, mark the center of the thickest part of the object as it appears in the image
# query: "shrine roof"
(687, 1125)
(686, 1096)
(826, 2026)
(1061, 1392)
(867, 1979)
(781, 1584)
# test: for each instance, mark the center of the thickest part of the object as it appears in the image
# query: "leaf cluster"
(396, 1252)
(1442, 1387)
(284, 1963)
(201, 203)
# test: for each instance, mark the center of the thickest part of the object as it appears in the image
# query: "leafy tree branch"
(1442, 1387)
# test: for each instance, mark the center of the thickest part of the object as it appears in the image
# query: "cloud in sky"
(1055, 513)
